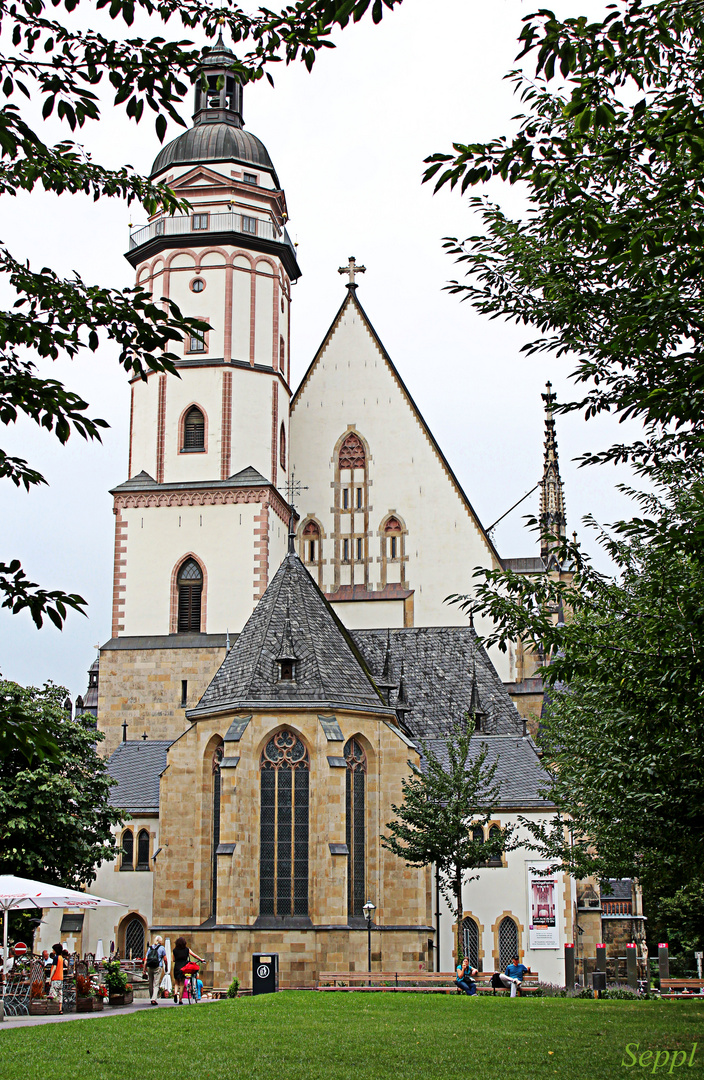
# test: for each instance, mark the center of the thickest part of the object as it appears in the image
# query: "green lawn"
(298, 1034)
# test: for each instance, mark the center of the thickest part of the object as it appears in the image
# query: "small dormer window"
(250, 178)
(477, 722)
(286, 670)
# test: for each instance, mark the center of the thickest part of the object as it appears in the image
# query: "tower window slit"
(360, 549)
(345, 498)
(359, 498)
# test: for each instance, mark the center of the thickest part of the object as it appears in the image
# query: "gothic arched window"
(217, 790)
(495, 860)
(193, 430)
(393, 551)
(470, 941)
(508, 941)
(189, 583)
(282, 448)
(356, 826)
(134, 940)
(285, 771)
(351, 512)
(311, 548)
(127, 845)
(143, 850)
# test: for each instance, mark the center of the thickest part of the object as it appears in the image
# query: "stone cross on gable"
(352, 269)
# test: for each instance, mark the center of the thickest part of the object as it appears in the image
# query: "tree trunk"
(458, 909)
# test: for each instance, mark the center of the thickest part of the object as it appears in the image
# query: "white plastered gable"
(353, 384)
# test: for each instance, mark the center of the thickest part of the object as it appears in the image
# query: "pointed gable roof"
(352, 301)
(293, 616)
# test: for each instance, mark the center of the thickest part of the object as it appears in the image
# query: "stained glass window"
(356, 826)
(283, 873)
(508, 941)
(217, 787)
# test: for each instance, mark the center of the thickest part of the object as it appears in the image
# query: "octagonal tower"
(200, 519)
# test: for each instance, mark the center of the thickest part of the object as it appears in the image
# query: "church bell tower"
(200, 521)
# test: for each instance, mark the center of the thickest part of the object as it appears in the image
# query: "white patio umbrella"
(17, 894)
(99, 951)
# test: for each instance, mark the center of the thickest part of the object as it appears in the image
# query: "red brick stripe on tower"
(261, 552)
(161, 430)
(226, 440)
(274, 428)
(119, 573)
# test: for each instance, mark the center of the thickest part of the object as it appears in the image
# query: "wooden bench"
(682, 988)
(438, 982)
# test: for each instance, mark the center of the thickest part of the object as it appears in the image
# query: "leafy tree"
(54, 61)
(444, 802)
(55, 815)
(607, 263)
(624, 731)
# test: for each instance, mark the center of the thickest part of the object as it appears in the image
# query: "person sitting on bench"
(514, 976)
(464, 978)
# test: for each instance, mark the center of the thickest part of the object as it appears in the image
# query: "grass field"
(297, 1035)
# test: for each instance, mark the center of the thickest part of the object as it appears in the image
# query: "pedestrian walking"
(155, 967)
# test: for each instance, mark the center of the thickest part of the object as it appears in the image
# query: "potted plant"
(39, 1003)
(88, 998)
(119, 989)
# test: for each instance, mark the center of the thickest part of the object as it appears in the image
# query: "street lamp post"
(368, 909)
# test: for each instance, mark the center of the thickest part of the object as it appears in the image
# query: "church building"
(272, 671)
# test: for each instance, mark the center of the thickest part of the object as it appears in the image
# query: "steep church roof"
(438, 664)
(293, 617)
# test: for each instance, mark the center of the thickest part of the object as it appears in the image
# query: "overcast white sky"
(348, 142)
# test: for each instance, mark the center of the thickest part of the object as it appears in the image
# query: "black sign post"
(569, 965)
(265, 973)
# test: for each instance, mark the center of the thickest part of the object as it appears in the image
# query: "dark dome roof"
(213, 142)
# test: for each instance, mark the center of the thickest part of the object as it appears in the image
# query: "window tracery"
(285, 771)
(356, 780)
(351, 530)
(393, 550)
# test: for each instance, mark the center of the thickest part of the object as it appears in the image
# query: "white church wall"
(352, 384)
(145, 396)
(241, 307)
(201, 387)
(252, 419)
(370, 615)
(158, 538)
(263, 314)
(500, 891)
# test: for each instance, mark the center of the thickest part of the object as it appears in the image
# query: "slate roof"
(518, 771)
(330, 672)
(248, 477)
(137, 765)
(617, 889)
(438, 662)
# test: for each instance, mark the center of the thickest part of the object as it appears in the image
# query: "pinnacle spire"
(553, 519)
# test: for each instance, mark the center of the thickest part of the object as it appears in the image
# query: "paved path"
(108, 1010)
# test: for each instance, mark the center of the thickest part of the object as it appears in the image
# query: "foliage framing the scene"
(65, 66)
(55, 814)
(607, 264)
